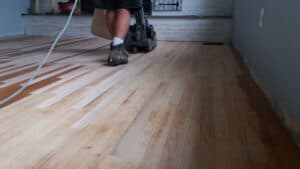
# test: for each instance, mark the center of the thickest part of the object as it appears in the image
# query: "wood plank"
(183, 106)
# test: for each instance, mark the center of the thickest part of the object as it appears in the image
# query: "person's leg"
(118, 23)
(121, 25)
(118, 54)
(111, 18)
(122, 22)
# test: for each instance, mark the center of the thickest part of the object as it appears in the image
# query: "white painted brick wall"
(212, 30)
(203, 8)
(50, 25)
(190, 7)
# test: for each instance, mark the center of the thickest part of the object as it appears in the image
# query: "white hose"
(43, 61)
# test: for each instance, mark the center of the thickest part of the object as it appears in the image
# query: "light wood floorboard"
(183, 106)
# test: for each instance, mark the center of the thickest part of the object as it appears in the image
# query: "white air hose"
(43, 61)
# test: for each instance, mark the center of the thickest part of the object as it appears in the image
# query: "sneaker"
(117, 55)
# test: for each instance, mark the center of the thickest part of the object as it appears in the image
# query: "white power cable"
(43, 61)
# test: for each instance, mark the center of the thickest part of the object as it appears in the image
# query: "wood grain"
(182, 106)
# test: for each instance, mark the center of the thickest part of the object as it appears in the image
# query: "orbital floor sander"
(141, 36)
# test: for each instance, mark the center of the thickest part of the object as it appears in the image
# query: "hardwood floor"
(183, 106)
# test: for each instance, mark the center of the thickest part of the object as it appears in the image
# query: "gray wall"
(273, 51)
(10, 16)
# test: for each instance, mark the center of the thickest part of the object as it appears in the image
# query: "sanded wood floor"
(183, 106)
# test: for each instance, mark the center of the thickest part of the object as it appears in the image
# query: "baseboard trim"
(280, 110)
(12, 35)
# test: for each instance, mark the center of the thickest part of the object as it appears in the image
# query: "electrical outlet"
(261, 18)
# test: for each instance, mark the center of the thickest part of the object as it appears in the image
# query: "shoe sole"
(116, 62)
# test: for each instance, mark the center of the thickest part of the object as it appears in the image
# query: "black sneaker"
(117, 55)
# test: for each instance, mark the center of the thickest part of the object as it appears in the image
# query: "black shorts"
(118, 4)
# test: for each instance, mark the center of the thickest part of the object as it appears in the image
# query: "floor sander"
(141, 36)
